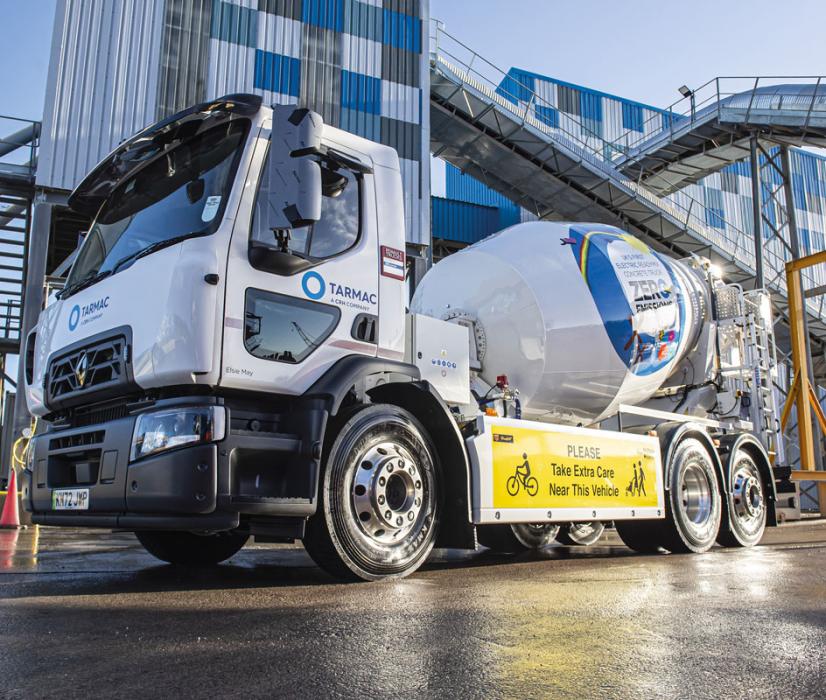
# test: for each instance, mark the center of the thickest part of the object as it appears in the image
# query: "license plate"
(70, 499)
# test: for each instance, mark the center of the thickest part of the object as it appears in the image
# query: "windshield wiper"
(151, 248)
(87, 281)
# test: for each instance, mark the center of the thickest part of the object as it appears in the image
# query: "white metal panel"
(231, 69)
(440, 350)
(400, 102)
(279, 34)
(102, 83)
(360, 55)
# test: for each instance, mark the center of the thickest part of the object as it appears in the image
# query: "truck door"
(295, 306)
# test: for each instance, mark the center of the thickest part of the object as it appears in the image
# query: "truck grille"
(93, 368)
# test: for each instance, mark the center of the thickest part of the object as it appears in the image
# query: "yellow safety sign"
(550, 469)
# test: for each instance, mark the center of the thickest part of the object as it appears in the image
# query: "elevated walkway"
(561, 173)
(711, 128)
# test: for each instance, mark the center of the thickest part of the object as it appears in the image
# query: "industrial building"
(509, 146)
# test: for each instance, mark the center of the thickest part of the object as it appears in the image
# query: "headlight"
(175, 427)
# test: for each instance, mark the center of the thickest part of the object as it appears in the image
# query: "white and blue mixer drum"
(580, 317)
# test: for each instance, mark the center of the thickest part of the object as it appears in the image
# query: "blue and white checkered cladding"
(359, 63)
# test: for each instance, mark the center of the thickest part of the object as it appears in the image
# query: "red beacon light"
(502, 381)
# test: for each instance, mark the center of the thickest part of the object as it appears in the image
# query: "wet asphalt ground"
(88, 614)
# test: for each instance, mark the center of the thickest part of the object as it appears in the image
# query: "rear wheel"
(693, 502)
(582, 534)
(191, 549)
(378, 509)
(745, 504)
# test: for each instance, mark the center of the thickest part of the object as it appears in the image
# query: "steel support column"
(757, 212)
(794, 242)
(35, 274)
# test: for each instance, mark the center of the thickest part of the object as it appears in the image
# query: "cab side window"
(335, 232)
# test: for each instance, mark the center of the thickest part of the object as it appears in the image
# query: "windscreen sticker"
(211, 208)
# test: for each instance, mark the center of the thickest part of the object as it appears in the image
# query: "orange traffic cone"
(11, 515)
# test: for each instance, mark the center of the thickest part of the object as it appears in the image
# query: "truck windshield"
(180, 194)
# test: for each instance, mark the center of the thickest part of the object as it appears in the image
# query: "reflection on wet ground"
(86, 613)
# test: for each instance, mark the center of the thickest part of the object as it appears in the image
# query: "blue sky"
(640, 49)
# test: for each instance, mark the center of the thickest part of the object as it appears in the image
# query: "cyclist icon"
(522, 478)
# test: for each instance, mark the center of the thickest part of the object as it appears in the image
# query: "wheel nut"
(410, 515)
(399, 520)
(401, 464)
(388, 514)
(389, 467)
(382, 481)
(381, 500)
(418, 484)
(412, 471)
(418, 501)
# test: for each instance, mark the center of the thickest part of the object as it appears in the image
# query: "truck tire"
(581, 534)
(191, 549)
(379, 501)
(693, 504)
(517, 538)
(643, 536)
(745, 504)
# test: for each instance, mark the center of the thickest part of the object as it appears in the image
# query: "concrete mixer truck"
(232, 356)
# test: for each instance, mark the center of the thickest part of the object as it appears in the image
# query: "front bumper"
(199, 487)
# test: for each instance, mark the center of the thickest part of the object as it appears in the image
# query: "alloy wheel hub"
(387, 493)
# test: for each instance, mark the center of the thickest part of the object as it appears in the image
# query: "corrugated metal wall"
(360, 63)
(119, 65)
(102, 84)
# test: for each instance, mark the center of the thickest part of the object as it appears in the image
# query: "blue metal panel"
(402, 31)
(233, 23)
(361, 92)
(516, 86)
(324, 13)
(277, 73)
(548, 116)
(631, 116)
(461, 221)
(468, 189)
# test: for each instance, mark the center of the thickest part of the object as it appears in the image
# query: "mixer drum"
(580, 317)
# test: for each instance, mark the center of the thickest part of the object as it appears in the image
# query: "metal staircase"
(711, 128)
(18, 159)
(490, 127)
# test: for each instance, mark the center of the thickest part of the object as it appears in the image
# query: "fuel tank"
(580, 317)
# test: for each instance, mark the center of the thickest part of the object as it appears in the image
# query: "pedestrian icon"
(636, 487)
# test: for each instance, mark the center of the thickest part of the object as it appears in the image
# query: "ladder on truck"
(762, 356)
(744, 324)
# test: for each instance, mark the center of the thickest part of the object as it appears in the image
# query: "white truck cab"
(232, 356)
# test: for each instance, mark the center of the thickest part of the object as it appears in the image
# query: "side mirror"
(294, 177)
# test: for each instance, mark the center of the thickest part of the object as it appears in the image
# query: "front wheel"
(378, 510)
(192, 549)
